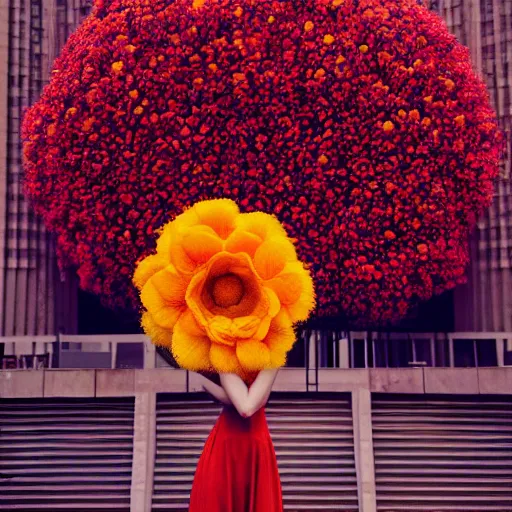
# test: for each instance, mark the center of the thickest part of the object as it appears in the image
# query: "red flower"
(361, 125)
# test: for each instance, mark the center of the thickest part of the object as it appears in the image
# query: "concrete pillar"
(363, 448)
(144, 447)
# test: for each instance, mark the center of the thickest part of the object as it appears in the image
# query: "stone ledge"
(69, 383)
(290, 379)
(456, 381)
(161, 380)
(340, 380)
(111, 383)
(397, 380)
(495, 381)
(21, 383)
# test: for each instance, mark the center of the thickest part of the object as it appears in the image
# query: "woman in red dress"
(237, 471)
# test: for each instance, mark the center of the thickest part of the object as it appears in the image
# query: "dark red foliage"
(360, 124)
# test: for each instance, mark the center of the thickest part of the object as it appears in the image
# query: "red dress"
(237, 471)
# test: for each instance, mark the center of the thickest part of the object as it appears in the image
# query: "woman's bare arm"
(248, 401)
(215, 390)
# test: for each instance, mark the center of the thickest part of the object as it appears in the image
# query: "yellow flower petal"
(224, 359)
(281, 335)
(219, 214)
(228, 331)
(164, 296)
(280, 339)
(277, 359)
(159, 336)
(200, 245)
(224, 289)
(253, 355)
(163, 244)
(200, 296)
(260, 224)
(170, 231)
(181, 260)
(190, 345)
(243, 241)
(294, 288)
(272, 256)
(274, 302)
(146, 268)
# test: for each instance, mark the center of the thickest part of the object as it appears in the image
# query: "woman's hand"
(248, 401)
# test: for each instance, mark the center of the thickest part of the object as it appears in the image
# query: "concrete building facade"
(37, 299)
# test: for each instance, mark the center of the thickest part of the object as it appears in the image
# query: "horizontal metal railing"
(315, 349)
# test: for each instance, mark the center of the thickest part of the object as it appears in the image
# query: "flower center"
(227, 290)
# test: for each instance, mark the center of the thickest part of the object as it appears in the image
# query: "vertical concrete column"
(144, 447)
(4, 77)
(149, 356)
(312, 361)
(363, 448)
(343, 350)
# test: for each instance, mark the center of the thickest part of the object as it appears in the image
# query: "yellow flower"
(308, 26)
(460, 120)
(328, 39)
(363, 48)
(388, 126)
(71, 112)
(271, 19)
(197, 4)
(224, 289)
(117, 66)
(320, 73)
(322, 160)
(449, 84)
(88, 124)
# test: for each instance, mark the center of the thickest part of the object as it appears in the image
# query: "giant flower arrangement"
(224, 289)
(360, 124)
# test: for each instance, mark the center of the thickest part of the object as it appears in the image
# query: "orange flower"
(117, 66)
(460, 120)
(224, 289)
(449, 84)
(308, 26)
(328, 39)
(388, 126)
(320, 73)
(414, 115)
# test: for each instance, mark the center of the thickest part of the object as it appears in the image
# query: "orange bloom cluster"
(360, 124)
(224, 290)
